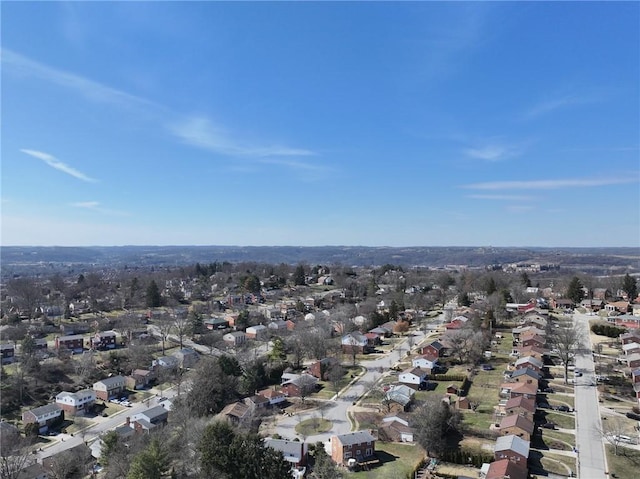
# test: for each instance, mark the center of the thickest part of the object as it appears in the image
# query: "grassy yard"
(313, 426)
(558, 464)
(396, 460)
(552, 439)
(562, 420)
(625, 464)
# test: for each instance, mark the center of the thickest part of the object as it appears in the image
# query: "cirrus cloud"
(53, 162)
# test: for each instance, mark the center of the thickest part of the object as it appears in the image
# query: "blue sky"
(330, 123)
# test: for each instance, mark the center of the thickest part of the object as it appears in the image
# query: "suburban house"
(434, 349)
(187, 357)
(256, 402)
(533, 351)
(426, 362)
(531, 339)
(274, 397)
(234, 339)
(398, 397)
(148, 419)
(298, 385)
(516, 425)
(235, 412)
(621, 307)
(139, 379)
(278, 325)
(213, 324)
(633, 360)
(529, 362)
(511, 390)
(166, 362)
(396, 428)
(321, 367)
(76, 403)
(630, 348)
(8, 353)
(43, 416)
(503, 468)
(524, 375)
(592, 304)
(355, 342)
(258, 332)
(526, 330)
(353, 448)
(383, 332)
(632, 336)
(103, 340)
(413, 377)
(513, 448)
(561, 303)
(108, 388)
(73, 343)
(294, 452)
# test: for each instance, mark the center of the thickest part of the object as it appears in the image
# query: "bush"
(31, 429)
(609, 330)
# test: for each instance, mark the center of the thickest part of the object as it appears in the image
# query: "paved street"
(62, 442)
(336, 410)
(591, 458)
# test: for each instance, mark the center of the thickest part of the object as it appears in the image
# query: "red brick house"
(321, 368)
(435, 350)
(524, 406)
(72, 343)
(108, 388)
(353, 448)
(517, 425)
(103, 340)
(502, 469)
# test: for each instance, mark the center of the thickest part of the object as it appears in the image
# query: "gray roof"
(291, 450)
(512, 443)
(46, 409)
(110, 382)
(357, 437)
(155, 412)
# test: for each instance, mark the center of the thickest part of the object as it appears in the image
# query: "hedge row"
(608, 330)
(448, 377)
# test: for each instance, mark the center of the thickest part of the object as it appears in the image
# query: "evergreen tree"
(153, 295)
(491, 286)
(575, 292)
(630, 286)
(151, 463)
(299, 278)
(463, 299)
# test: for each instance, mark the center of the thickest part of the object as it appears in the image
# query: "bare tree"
(181, 326)
(164, 327)
(27, 294)
(614, 432)
(306, 385)
(85, 365)
(15, 454)
(566, 340)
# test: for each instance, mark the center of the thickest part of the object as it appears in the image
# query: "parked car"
(633, 415)
(563, 408)
(487, 367)
(549, 425)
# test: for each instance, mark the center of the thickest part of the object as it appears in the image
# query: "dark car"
(633, 415)
(564, 408)
(487, 367)
(548, 425)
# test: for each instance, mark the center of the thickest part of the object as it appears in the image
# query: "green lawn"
(397, 461)
(558, 464)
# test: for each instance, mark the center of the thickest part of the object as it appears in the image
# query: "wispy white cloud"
(550, 105)
(519, 208)
(549, 184)
(195, 131)
(494, 151)
(53, 162)
(203, 133)
(96, 206)
(501, 197)
(95, 91)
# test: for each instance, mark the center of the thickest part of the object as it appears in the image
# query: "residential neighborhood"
(337, 385)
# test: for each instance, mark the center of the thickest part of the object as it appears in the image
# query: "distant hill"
(18, 259)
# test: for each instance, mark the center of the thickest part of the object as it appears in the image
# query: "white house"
(258, 332)
(76, 403)
(413, 377)
(424, 362)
